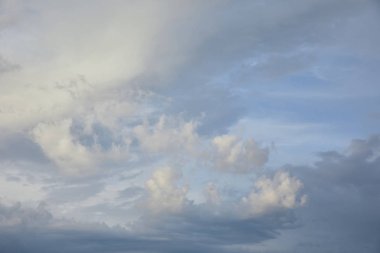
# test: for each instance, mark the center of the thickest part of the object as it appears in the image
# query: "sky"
(225, 126)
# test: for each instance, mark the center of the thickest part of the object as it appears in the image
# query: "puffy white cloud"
(269, 194)
(164, 195)
(71, 152)
(236, 155)
(59, 145)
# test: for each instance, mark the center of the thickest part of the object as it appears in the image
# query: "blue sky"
(189, 126)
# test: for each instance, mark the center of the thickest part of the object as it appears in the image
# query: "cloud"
(342, 214)
(168, 135)
(16, 215)
(59, 145)
(189, 230)
(61, 66)
(100, 130)
(127, 86)
(280, 192)
(212, 194)
(10, 11)
(84, 143)
(342, 211)
(237, 155)
(19, 147)
(163, 193)
(6, 66)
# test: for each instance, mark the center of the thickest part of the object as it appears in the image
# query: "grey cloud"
(18, 147)
(343, 188)
(132, 192)
(74, 192)
(289, 35)
(84, 241)
(6, 66)
(188, 232)
(10, 12)
(203, 227)
(341, 216)
(17, 216)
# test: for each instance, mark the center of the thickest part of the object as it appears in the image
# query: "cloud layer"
(192, 126)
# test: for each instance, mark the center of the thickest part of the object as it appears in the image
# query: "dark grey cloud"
(206, 228)
(37, 231)
(83, 241)
(344, 192)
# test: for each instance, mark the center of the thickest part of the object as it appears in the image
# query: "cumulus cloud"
(279, 192)
(189, 229)
(238, 155)
(77, 152)
(164, 195)
(102, 129)
(58, 144)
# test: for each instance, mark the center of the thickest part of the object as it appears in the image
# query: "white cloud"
(63, 65)
(59, 145)
(116, 107)
(168, 135)
(236, 155)
(17, 187)
(269, 194)
(70, 153)
(164, 195)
